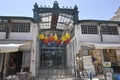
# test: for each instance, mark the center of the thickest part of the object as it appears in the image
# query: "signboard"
(106, 64)
(87, 63)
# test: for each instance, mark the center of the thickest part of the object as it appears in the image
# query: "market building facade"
(55, 43)
(16, 42)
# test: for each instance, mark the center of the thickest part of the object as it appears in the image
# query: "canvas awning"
(101, 45)
(13, 46)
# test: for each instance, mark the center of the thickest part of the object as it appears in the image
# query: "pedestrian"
(12, 66)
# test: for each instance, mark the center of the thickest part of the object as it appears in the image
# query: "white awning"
(101, 45)
(13, 46)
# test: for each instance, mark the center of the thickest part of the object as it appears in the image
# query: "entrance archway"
(50, 22)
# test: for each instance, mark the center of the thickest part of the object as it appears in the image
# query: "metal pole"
(101, 36)
(47, 73)
(90, 76)
(74, 57)
(82, 63)
(3, 61)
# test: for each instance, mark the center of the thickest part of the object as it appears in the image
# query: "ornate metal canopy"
(55, 19)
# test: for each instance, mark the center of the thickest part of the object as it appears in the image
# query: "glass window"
(89, 29)
(3, 27)
(111, 30)
(20, 27)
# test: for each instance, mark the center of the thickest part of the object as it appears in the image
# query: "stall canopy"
(101, 45)
(13, 46)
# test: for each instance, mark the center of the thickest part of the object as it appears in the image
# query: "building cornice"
(100, 21)
(16, 18)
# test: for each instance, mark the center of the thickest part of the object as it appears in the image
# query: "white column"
(34, 50)
(6, 57)
(1, 61)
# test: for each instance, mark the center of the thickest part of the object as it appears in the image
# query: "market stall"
(104, 52)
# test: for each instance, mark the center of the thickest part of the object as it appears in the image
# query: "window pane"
(20, 27)
(89, 29)
(3, 27)
(111, 30)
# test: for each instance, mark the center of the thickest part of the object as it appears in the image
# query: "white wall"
(2, 35)
(96, 38)
(89, 38)
(111, 38)
(85, 37)
(34, 50)
(23, 35)
(20, 36)
(93, 37)
(17, 36)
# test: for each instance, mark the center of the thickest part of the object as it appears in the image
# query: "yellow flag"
(41, 36)
(67, 36)
(63, 38)
(55, 37)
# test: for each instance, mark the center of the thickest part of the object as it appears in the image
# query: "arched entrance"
(50, 22)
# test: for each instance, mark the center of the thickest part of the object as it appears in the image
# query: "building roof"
(118, 11)
(117, 15)
(16, 18)
(80, 21)
(100, 21)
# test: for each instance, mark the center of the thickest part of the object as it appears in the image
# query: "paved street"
(65, 79)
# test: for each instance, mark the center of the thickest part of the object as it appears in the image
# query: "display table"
(22, 75)
(11, 77)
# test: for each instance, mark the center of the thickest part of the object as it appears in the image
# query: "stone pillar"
(6, 58)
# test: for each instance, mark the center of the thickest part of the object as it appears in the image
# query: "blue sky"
(88, 9)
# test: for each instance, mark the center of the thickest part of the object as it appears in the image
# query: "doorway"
(52, 58)
(17, 60)
(53, 63)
